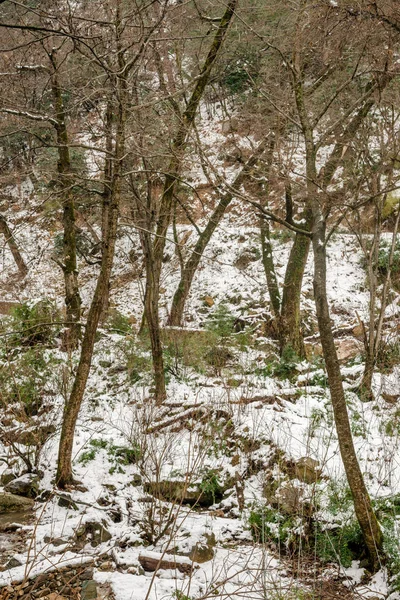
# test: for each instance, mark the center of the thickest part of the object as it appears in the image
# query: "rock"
(27, 485)
(66, 501)
(390, 398)
(203, 551)
(208, 301)
(152, 561)
(246, 257)
(179, 491)
(289, 498)
(348, 348)
(89, 590)
(136, 481)
(92, 532)
(12, 563)
(307, 469)
(13, 503)
(6, 477)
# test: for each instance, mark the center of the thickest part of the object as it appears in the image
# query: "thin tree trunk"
(362, 503)
(190, 268)
(69, 266)
(110, 210)
(12, 244)
(155, 257)
(265, 238)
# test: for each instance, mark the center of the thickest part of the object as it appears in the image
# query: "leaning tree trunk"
(190, 268)
(12, 244)
(110, 210)
(178, 146)
(362, 503)
(69, 266)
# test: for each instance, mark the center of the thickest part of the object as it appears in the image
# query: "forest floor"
(232, 488)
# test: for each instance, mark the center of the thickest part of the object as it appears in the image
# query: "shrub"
(23, 380)
(221, 322)
(210, 485)
(340, 544)
(118, 455)
(269, 525)
(118, 323)
(286, 367)
(33, 324)
(388, 357)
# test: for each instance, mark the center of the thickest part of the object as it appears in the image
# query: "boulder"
(153, 561)
(92, 532)
(246, 257)
(346, 348)
(208, 301)
(89, 590)
(13, 503)
(27, 485)
(180, 492)
(6, 477)
(307, 469)
(203, 551)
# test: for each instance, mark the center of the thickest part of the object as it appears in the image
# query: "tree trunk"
(69, 267)
(19, 261)
(111, 210)
(291, 334)
(190, 268)
(167, 200)
(362, 503)
(266, 246)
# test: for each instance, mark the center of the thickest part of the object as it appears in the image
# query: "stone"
(153, 561)
(12, 563)
(66, 501)
(203, 551)
(348, 348)
(13, 503)
(89, 590)
(307, 469)
(208, 301)
(390, 398)
(136, 481)
(6, 477)
(27, 485)
(93, 532)
(289, 498)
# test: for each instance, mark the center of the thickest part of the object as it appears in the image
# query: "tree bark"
(110, 211)
(69, 266)
(290, 333)
(190, 268)
(362, 503)
(156, 250)
(12, 244)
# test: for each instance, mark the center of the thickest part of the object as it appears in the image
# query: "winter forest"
(199, 299)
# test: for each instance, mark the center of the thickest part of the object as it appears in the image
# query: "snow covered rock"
(13, 503)
(27, 485)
